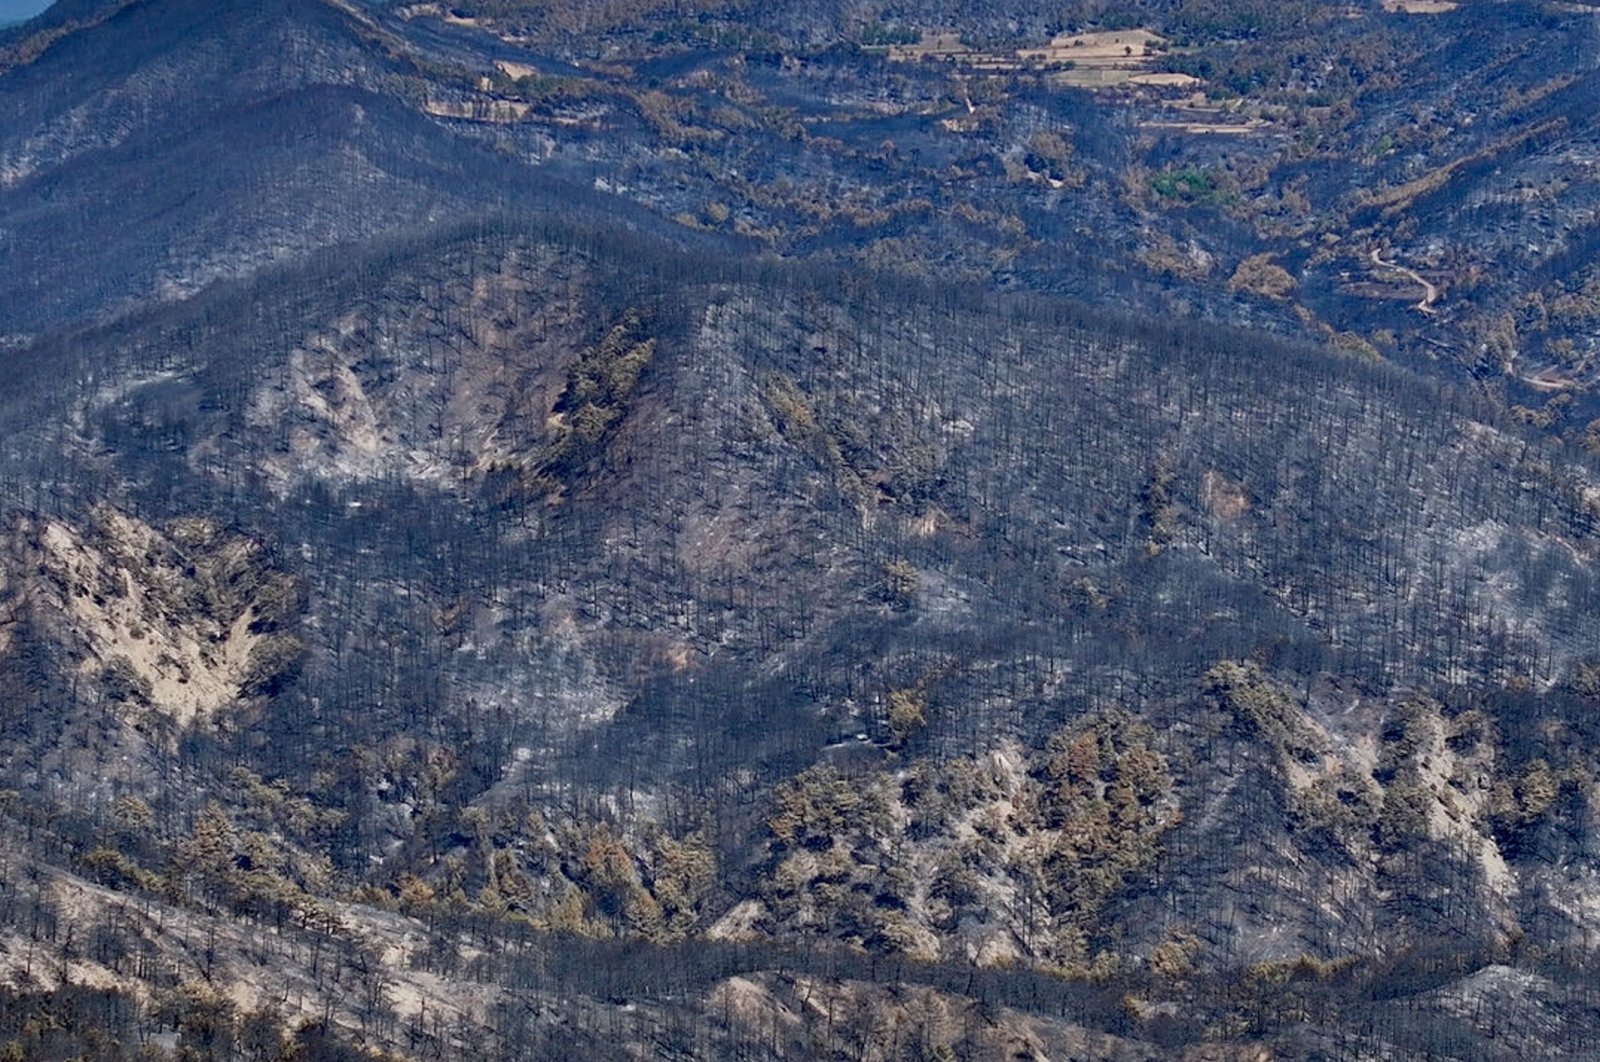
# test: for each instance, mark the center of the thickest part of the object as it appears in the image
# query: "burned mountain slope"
(151, 148)
(716, 489)
(527, 561)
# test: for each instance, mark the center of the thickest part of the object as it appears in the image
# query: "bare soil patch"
(515, 70)
(1078, 60)
(1420, 7)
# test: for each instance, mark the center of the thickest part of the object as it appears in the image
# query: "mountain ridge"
(487, 569)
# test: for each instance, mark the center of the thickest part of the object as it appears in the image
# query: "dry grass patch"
(1259, 275)
(1078, 60)
(935, 44)
(1166, 79)
(1108, 47)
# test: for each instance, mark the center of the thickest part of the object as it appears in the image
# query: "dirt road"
(1430, 291)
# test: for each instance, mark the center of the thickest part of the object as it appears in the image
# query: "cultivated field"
(1078, 60)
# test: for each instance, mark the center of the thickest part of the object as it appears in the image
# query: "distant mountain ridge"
(21, 10)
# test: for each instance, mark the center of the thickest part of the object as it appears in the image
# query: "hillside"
(466, 590)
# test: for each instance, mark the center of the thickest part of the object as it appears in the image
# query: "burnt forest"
(899, 530)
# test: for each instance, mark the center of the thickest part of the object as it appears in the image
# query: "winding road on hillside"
(1430, 291)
